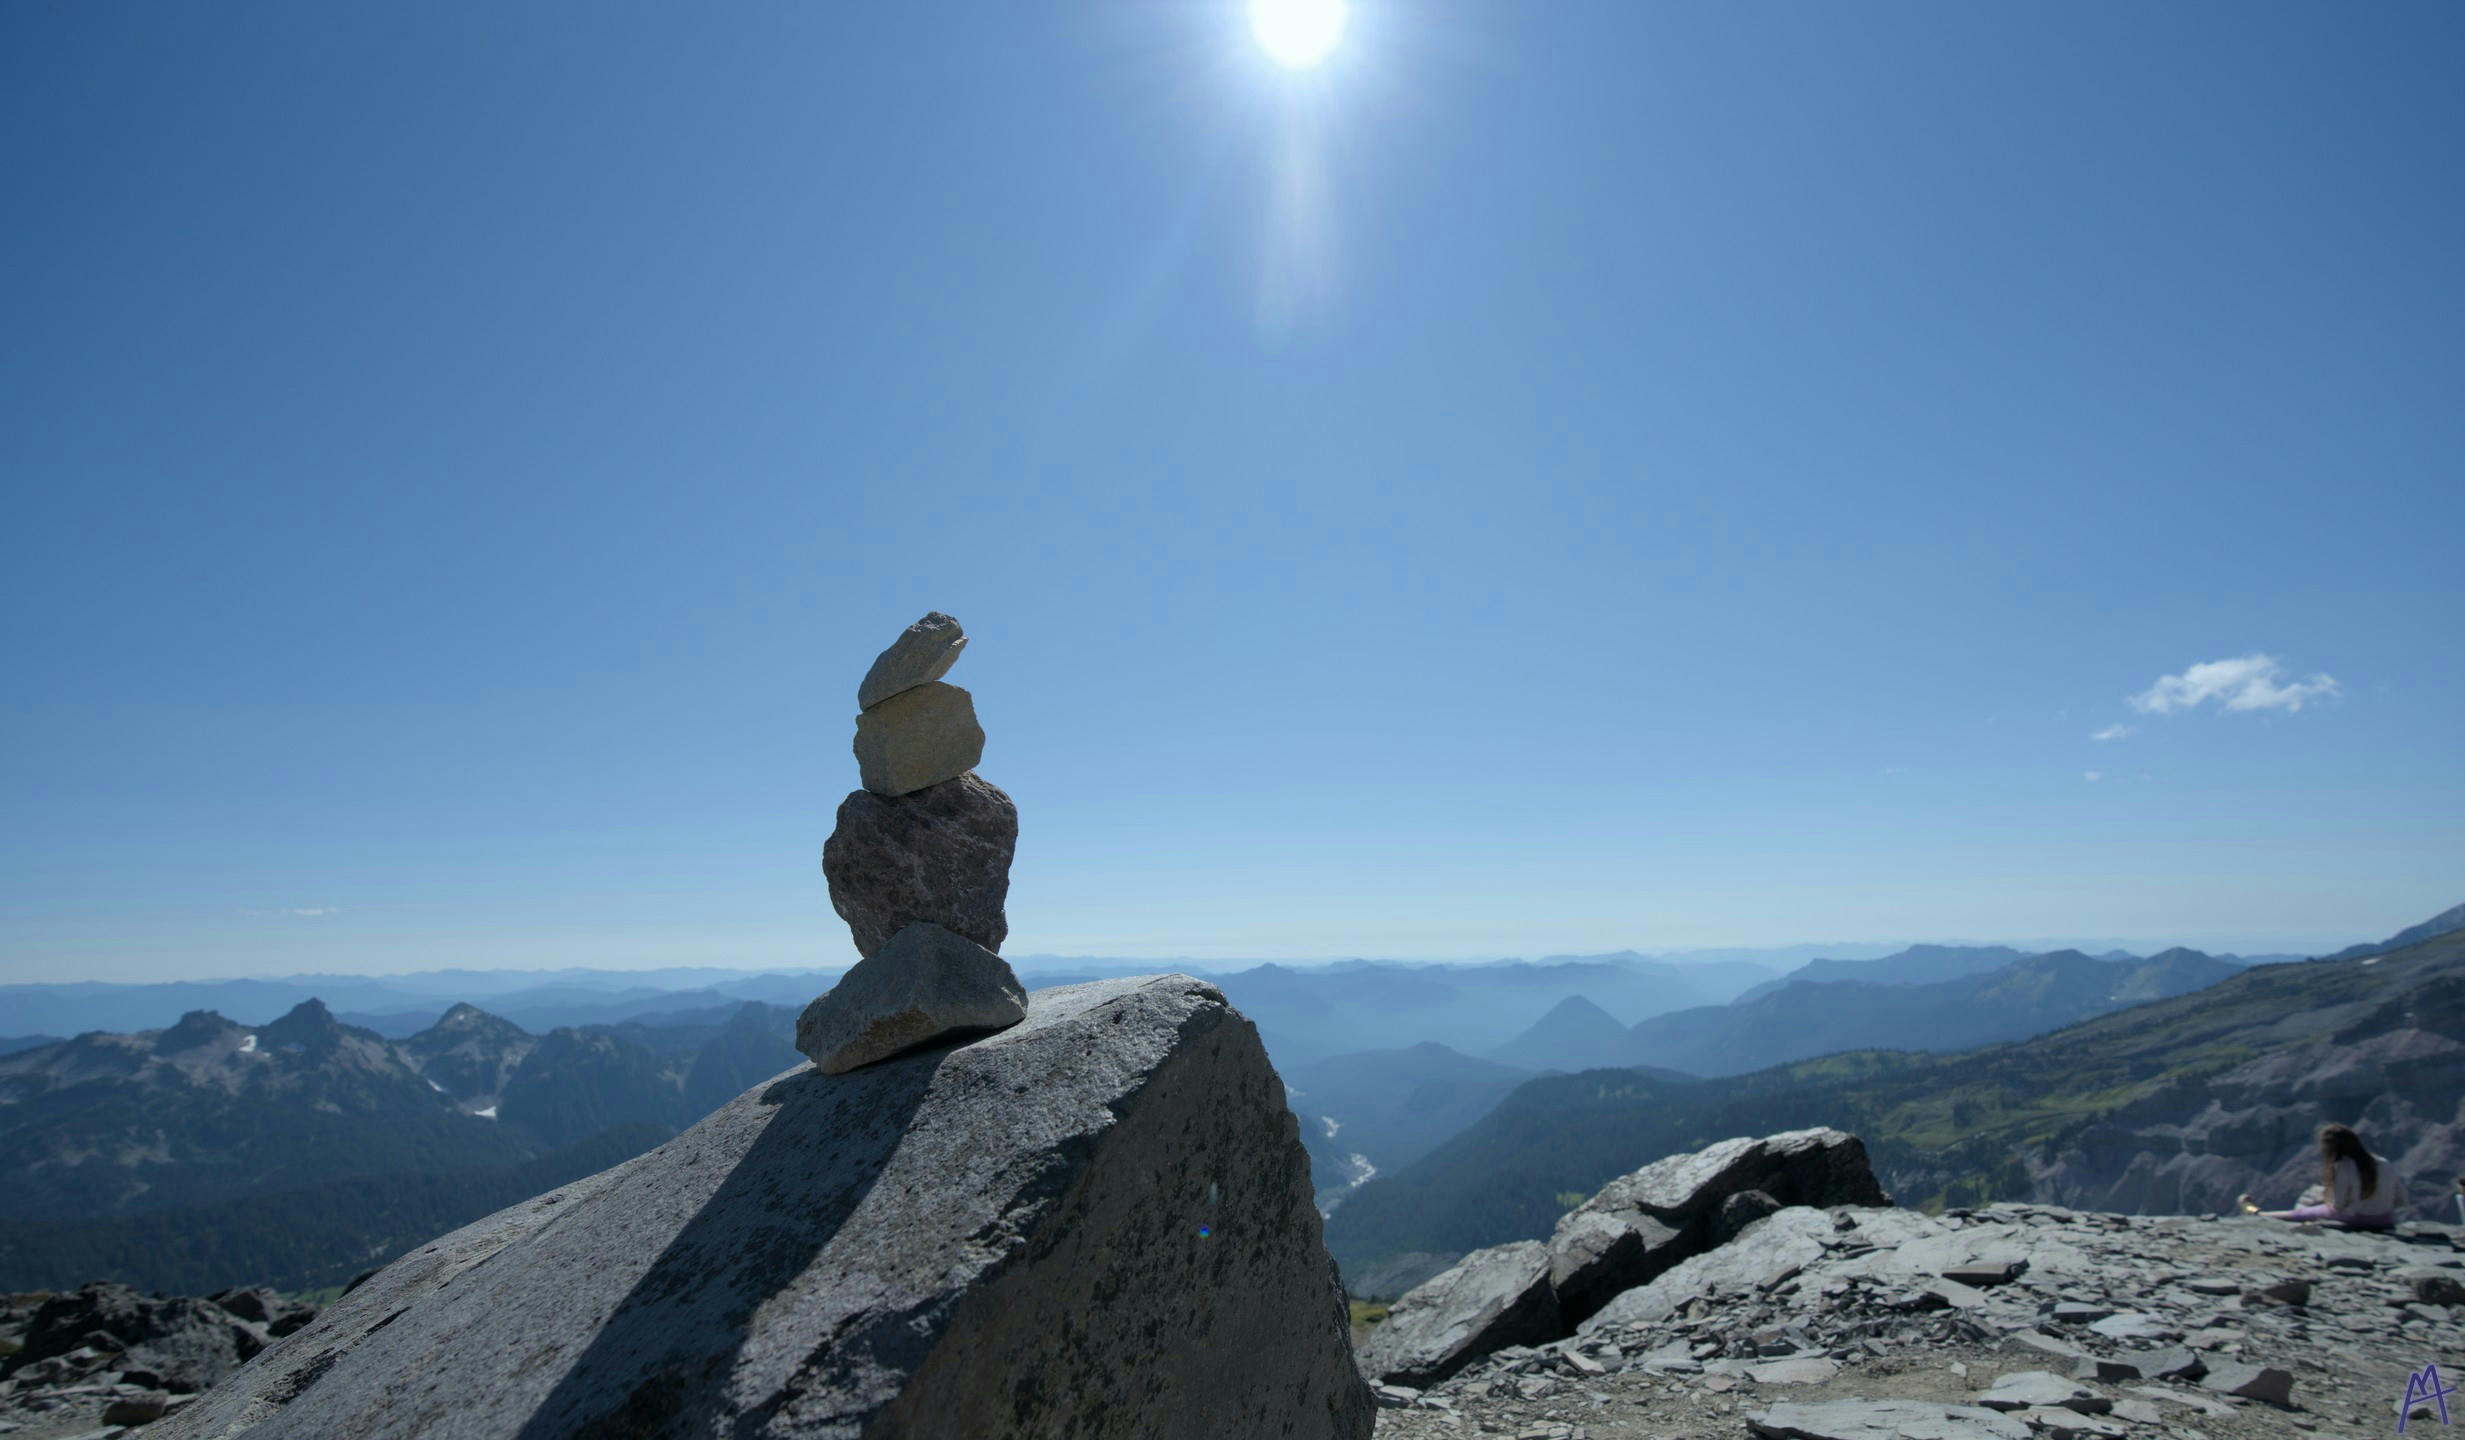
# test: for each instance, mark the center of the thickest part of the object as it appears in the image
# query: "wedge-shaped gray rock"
(1760, 1259)
(2434, 1284)
(924, 652)
(925, 985)
(2175, 1362)
(1097, 1223)
(917, 738)
(1984, 1273)
(1591, 1244)
(2024, 1389)
(1883, 1420)
(1738, 1211)
(1489, 1299)
(1642, 1224)
(941, 854)
(2252, 1382)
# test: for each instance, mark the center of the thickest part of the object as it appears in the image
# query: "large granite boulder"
(917, 738)
(1097, 1223)
(926, 986)
(941, 854)
(1642, 1224)
(1488, 1300)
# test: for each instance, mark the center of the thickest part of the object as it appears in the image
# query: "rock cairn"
(919, 866)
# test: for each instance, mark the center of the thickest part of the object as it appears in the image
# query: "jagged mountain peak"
(1575, 1007)
(307, 1026)
(310, 1013)
(466, 1020)
(196, 1028)
(1575, 1034)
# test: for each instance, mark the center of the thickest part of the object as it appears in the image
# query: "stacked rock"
(918, 866)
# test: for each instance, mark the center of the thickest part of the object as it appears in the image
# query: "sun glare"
(1297, 33)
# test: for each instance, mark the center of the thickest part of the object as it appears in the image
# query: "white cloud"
(2092, 776)
(2112, 732)
(320, 910)
(2251, 682)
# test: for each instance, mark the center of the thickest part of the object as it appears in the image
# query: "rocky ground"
(103, 1360)
(2005, 1323)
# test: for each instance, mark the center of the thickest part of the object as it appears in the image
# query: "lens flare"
(1297, 34)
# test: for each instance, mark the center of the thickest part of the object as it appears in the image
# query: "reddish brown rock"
(940, 854)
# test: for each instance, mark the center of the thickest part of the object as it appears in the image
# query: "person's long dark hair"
(2339, 1142)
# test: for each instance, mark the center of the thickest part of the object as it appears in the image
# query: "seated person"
(2359, 1189)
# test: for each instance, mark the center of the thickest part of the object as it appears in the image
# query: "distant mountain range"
(300, 1151)
(2023, 997)
(1370, 1113)
(1351, 1104)
(1917, 965)
(1352, 1006)
(397, 1006)
(1305, 1012)
(295, 1145)
(2172, 1105)
(1925, 997)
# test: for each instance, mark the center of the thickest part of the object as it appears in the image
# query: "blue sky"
(1553, 478)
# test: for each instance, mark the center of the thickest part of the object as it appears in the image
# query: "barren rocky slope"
(105, 1358)
(1858, 1323)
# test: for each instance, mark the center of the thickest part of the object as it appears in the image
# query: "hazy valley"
(307, 1146)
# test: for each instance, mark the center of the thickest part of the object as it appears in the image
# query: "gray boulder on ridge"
(1667, 1219)
(1646, 1222)
(1096, 1223)
(926, 985)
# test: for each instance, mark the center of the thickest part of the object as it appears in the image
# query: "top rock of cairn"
(915, 731)
(923, 653)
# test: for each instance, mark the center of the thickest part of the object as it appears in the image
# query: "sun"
(1297, 34)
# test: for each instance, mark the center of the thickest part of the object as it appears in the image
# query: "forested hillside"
(2177, 1105)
